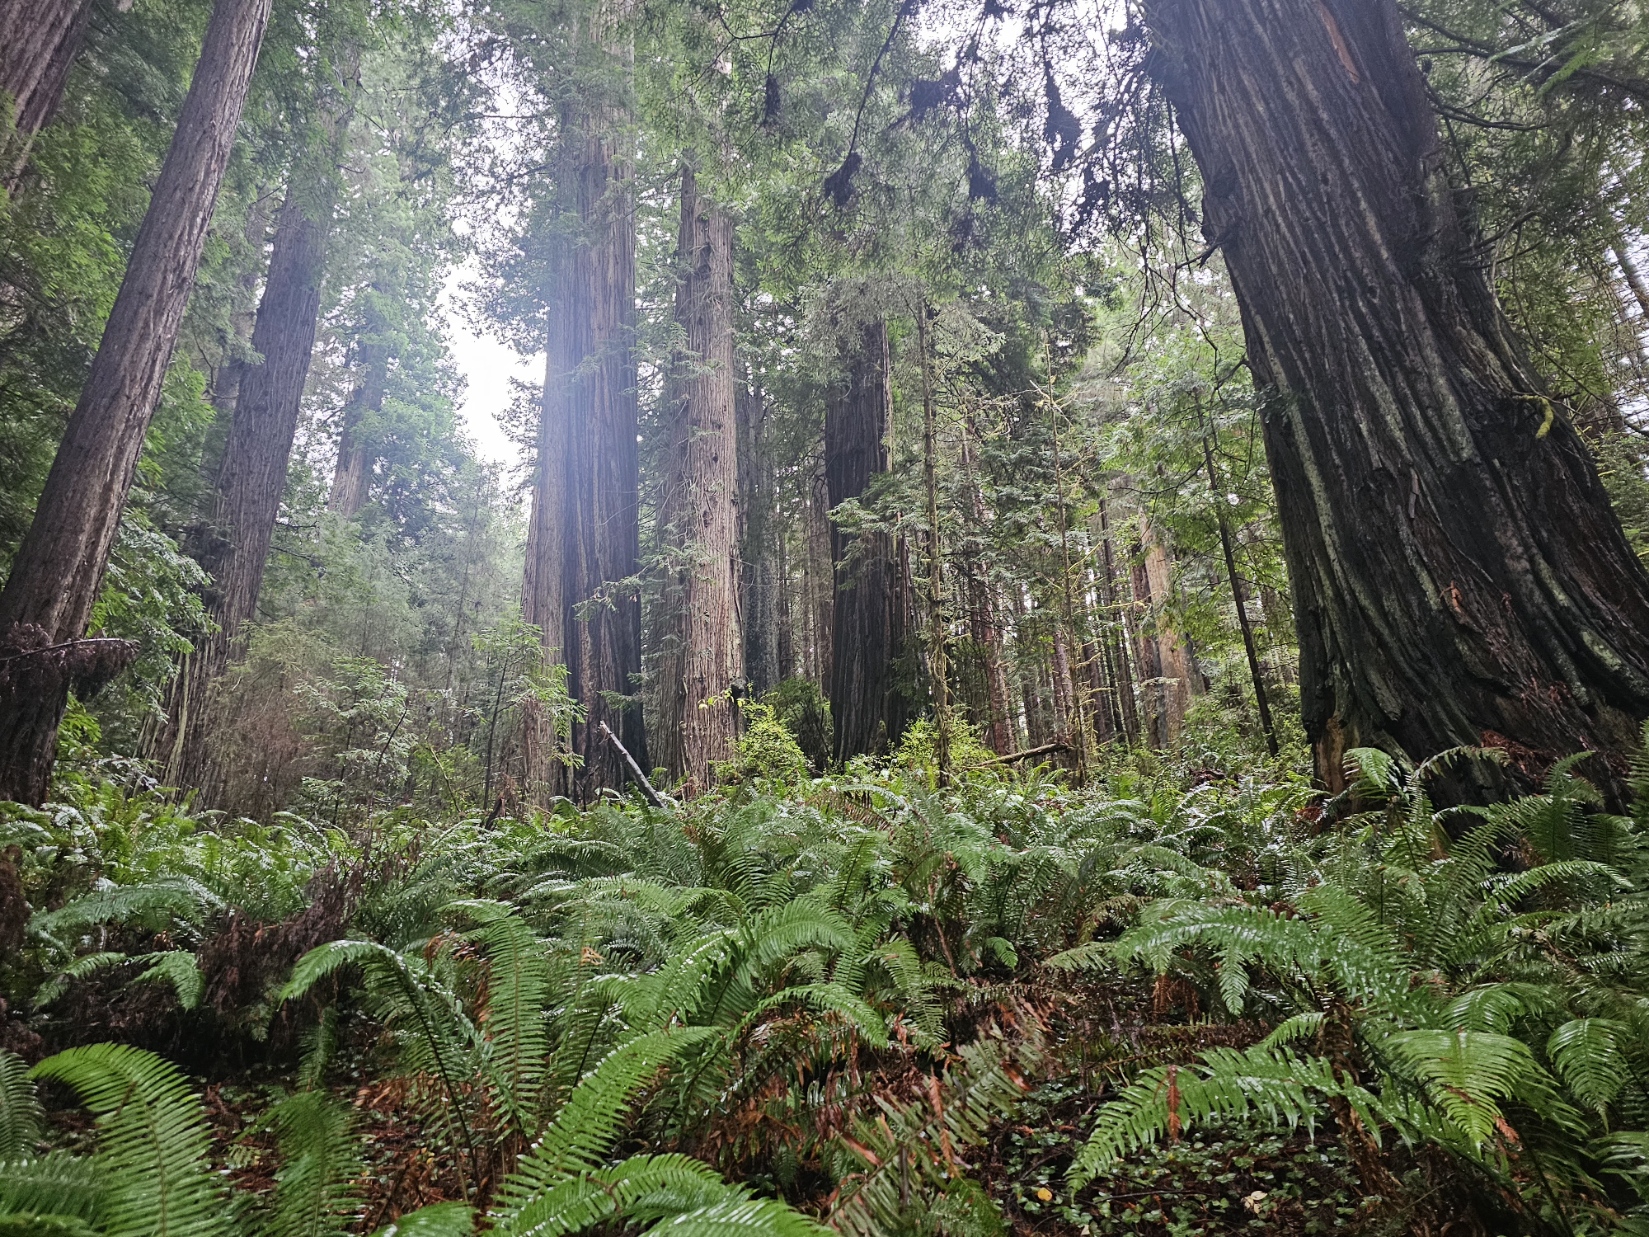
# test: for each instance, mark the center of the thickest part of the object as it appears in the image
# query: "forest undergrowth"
(1180, 1000)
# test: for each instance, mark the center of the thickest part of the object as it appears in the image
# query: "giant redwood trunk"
(870, 616)
(48, 598)
(39, 40)
(583, 536)
(700, 646)
(761, 590)
(1459, 576)
(252, 476)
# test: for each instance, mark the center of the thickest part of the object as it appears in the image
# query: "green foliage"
(315, 1192)
(768, 753)
(152, 1142)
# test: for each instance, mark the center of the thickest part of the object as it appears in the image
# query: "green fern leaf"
(744, 1217)
(152, 1141)
(1589, 1058)
(314, 1189)
(436, 1220)
(19, 1109)
(56, 1184)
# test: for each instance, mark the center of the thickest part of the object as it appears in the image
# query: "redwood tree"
(39, 40)
(252, 475)
(700, 645)
(48, 598)
(870, 616)
(1459, 575)
(583, 540)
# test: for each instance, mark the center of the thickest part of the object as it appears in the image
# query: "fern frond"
(314, 1189)
(436, 1220)
(590, 1122)
(1588, 1055)
(518, 988)
(745, 1217)
(156, 905)
(1091, 956)
(178, 968)
(58, 984)
(1275, 1086)
(641, 1187)
(152, 1141)
(1292, 1030)
(19, 1109)
(1465, 1073)
(54, 1184)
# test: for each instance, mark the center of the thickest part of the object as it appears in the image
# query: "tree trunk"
(700, 645)
(818, 583)
(353, 474)
(982, 623)
(1179, 678)
(583, 539)
(59, 566)
(252, 476)
(760, 572)
(39, 40)
(1459, 575)
(868, 618)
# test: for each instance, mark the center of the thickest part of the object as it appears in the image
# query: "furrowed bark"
(1459, 575)
(868, 620)
(252, 476)
(701, 647)
(59, 565)
(583, 541)
(761, 574)
(353, 474)
(39, 40)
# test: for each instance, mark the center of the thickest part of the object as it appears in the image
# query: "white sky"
(487, 367)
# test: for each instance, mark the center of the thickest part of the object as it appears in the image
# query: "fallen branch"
(636, 775)
(1047, 749)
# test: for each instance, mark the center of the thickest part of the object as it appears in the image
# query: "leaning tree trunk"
(583, 540)
(39, 40)
(700, 645)
(48, 598)
(252, 476)
(1459, 576)
(868, 620)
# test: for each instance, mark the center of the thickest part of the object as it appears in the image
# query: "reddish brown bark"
(1459, 575)
(583, 539)
(39, 40)
(767, 644)
(700, 643)
(59, 566)
(869, 618)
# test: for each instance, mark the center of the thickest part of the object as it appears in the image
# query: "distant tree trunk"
(1180, 680)
(352, 475)
(1459, 575)
(819, 585)
(583, 541)
(252, 476)
(39, 40)
(868, 619)
(761, 573)
(1148, 656)
(982, 624)
(700, 646)
(1119, 674)
(48, 598)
